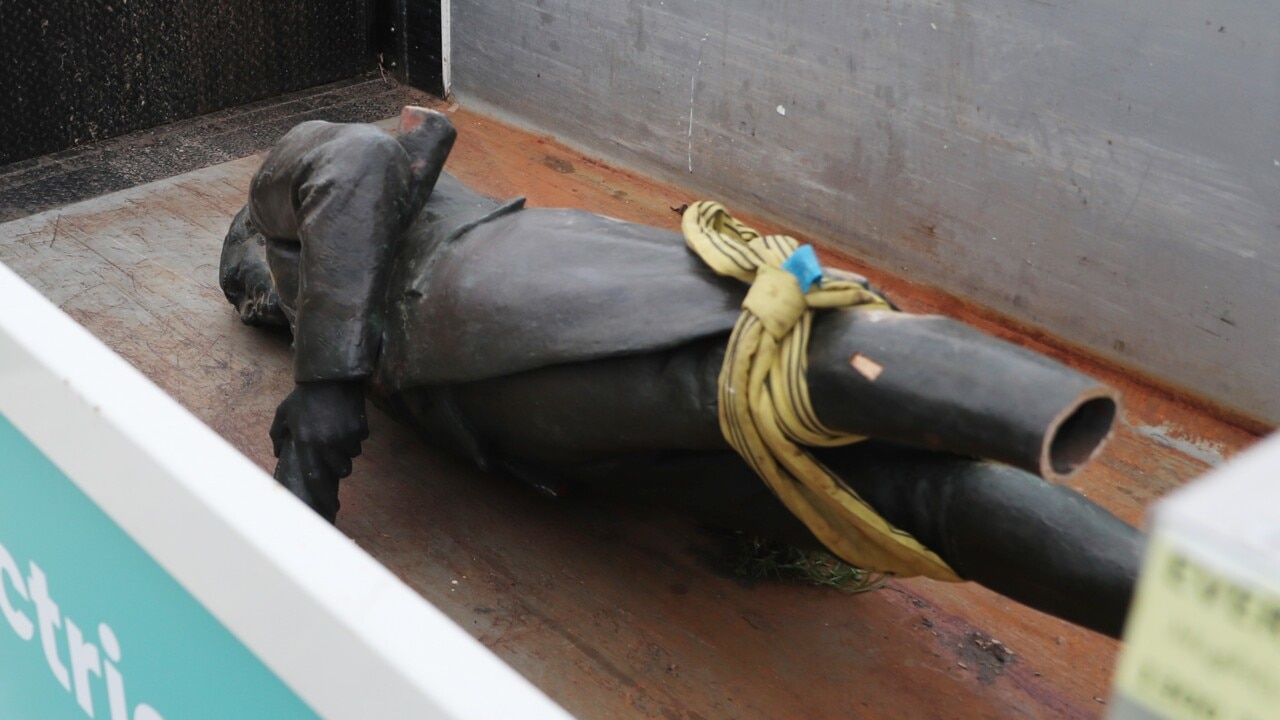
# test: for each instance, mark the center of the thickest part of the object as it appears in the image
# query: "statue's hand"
(317, 431)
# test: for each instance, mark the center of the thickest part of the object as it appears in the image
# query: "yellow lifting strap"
(765, 412)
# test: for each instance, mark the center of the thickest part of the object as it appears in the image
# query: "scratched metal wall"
(1109, 171)
(75, 71)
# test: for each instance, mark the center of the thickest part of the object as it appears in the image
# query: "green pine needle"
(761, 559)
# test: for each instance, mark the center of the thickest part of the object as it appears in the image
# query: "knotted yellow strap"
(765, 412)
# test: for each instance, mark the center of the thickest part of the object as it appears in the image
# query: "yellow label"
(1200, 645)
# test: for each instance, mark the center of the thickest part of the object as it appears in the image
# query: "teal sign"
(91, 626)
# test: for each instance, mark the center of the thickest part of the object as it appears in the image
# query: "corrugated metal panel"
(75, 71)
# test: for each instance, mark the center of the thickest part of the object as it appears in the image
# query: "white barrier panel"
(150, 571)
(1203, 639)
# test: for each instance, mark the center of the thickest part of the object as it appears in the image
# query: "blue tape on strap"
(803, 263)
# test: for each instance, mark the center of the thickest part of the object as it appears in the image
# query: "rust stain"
(869, 368)
(558, 164)
(412, 117)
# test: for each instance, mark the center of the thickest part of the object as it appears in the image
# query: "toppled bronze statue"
(567, 348)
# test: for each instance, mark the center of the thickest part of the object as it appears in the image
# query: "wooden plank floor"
(616, 612)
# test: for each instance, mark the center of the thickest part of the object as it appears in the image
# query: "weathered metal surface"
(617, 612)
(1107, 173)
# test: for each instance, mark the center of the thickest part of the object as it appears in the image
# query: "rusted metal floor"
(616, 612)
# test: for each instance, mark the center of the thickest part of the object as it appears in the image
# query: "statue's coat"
(483, 289)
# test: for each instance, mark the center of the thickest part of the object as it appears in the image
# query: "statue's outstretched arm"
(334, 202)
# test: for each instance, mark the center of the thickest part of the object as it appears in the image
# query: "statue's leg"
(931, 382)
(582, 412)
(1040, 544)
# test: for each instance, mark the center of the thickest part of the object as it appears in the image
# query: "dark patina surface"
(566, 347)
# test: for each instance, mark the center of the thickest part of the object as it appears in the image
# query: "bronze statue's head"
(245, 277)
